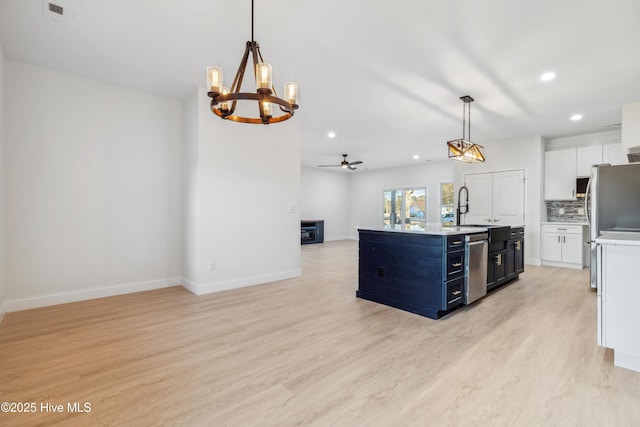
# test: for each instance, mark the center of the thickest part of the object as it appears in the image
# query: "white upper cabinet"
(587, 157)
(560, 175)
(613, 154)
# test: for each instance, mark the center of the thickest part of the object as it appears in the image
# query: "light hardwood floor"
(307, 351)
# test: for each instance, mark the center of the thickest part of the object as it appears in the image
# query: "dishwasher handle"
(476, 238)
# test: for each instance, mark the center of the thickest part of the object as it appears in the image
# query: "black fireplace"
(311, 231)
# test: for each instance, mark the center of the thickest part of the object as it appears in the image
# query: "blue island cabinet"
(419, 273)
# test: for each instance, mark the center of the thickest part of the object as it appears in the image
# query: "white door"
(508, 197)
(480, 186)
(552, 247)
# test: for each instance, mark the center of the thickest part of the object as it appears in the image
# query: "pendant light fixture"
(270, 108)
(463, 149)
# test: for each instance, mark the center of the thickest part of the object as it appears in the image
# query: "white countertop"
(619, 238)
(430, 229)
(564, 223)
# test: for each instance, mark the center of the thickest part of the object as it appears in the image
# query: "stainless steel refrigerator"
(612, 203)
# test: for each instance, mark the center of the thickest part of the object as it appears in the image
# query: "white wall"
(92, 188)
(190, 141)
(2, 174)
(366, 187)
(325, 195)
(522, 153)
(631, 127)
(246, 194)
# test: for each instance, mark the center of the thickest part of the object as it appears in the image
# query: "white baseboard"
(3, 310)
(225, 285)
(562, 265)
(334, 239)
(533, 261)
(86, 294)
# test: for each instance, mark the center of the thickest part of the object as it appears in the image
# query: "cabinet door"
(480, 188)
(511, 258)
(587, 157)
(508, 197)
(519, 256)
(612, 154)
(501, 266)
(552, 247)
(572, 248)
(620, 296)
(560, 175)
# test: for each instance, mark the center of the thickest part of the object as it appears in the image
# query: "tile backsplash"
(570, 211)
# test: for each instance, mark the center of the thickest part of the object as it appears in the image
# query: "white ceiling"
(385, 76)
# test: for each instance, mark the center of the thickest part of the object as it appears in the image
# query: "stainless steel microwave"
(581, 186)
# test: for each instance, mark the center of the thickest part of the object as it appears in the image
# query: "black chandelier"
(224, 100)
(463, 149)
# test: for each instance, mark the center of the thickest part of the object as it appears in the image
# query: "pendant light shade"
(463, 149)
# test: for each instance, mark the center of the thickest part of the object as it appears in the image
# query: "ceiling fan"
(343, 164)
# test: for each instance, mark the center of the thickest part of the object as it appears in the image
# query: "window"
(405, 208)
(446, 204)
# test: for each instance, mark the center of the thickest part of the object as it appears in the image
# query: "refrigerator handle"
(586, 202)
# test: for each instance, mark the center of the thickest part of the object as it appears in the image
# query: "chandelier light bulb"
(263, 75)
(291, 93)
(214, 79)
(225, 105)
(266, 108)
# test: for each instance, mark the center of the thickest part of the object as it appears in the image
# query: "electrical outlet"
(292, 209)
(561, 211)
(212, 265)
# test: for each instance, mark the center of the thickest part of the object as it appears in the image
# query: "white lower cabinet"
(618, 296)
(562, 245)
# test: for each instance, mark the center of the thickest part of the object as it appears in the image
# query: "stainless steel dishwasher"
(476, 250)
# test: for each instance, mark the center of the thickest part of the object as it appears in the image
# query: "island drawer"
(517, 233)
(455, 243)
(453, 295)
(455, 264)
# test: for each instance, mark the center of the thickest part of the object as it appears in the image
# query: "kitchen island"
(417, 270)
(423, 270)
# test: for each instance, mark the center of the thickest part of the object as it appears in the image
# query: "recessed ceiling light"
(415, 156)
(331, 135)
(576, 117)
(548, 76)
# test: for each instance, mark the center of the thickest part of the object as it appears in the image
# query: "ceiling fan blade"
(329, 166)
(352, 168)
(357, 162)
